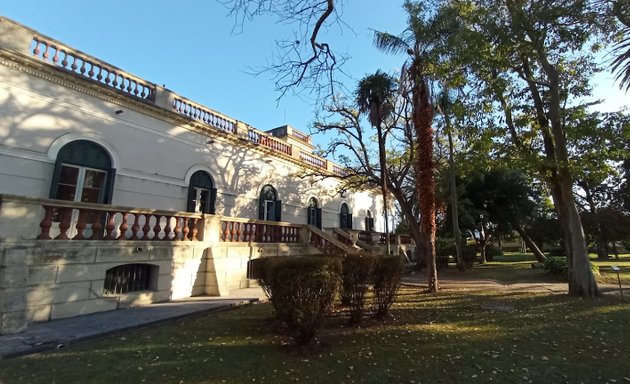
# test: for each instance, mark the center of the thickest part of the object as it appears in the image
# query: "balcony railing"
(59, 55)
(80, 221)
(258, 231)
(313, 160)
(204, 115)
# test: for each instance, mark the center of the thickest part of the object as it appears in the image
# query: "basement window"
(130, 278)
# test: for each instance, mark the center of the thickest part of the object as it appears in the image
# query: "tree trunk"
(457, 234)
(538, 254)
(602, 249)
(424, 168)
(482, 252)
(384, 182)
(581, 279)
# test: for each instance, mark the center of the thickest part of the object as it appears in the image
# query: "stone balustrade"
(300, 136)
(80, 221)
(269, 142)
(313, 160)
(329, 244)
(365, 236)
(204, 115)
(233, 230)
(71, 60)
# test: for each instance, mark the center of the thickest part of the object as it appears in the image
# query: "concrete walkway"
(59, 333)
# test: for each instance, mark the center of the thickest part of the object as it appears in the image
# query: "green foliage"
(493, 251)
(556, 265)
(469, 255)
(258, 269)
(302, 291)
(356, 273)
(557, 251)
(444, 249)
(387, 273)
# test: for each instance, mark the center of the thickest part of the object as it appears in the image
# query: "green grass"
(452, 337)
(610, 277)
(516, 268)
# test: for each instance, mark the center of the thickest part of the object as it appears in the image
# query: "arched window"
(269, 208)
(314, 213)
(201, 193)
(345, 217)
(369, 222)
(83, 173)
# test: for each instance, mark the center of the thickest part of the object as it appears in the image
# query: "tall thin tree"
(375, 95)
(416, 42)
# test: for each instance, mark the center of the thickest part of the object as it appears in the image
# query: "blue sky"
(190, 46)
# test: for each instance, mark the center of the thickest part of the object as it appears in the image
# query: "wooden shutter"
(318, 218)
(109, 187)
(212, 198)
(278, 213)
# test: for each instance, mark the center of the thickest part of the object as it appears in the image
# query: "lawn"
(453, 337)
(516, 268)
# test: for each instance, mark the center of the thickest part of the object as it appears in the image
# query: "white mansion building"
(115, 191)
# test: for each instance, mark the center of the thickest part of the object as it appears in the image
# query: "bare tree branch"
(304, 63)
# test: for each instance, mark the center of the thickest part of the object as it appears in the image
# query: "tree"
(530, 59)
(621, 63)
(417, 42)
(444, 106)
(353, 148)
(375, 95)
(304, 62)
(598, 153)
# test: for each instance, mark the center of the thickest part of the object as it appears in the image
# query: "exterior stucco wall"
(153, 154)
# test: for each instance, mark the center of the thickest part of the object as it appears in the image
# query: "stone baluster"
(46, 223)
(235, 231)
(64, 62)
(135, 228)
(157, 228)
(194, 229)
(167, 228)
(55, 58)
(252, 232)
(64, 225)
(36, 50)
(110, 227)
(97, 225)
(146, 228)
(123, 226)
(177, 231)
(81, 224)
(186, 229)
(46, 54)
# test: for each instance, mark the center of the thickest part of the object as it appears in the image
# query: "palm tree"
(621, 64)
(375, 95)
(417, 42)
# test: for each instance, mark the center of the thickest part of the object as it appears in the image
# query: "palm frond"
(621, 64)
(389, 43)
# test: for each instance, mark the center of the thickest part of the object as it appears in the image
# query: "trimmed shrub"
(386, 276)
(302, 292)
(259, 269)
(356, 272)
(469, 255)
(556, 265)
(493, 251)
